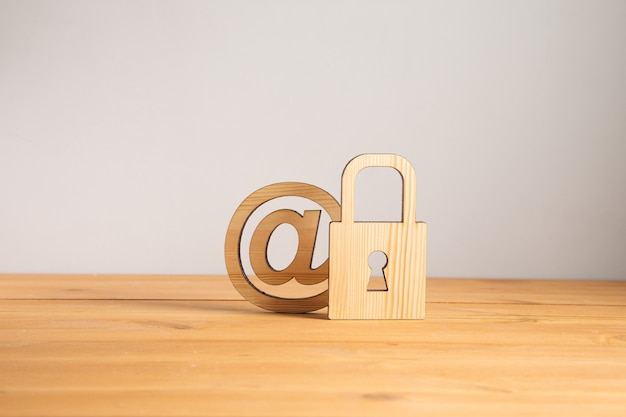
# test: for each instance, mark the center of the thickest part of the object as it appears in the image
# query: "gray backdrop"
(130, 131)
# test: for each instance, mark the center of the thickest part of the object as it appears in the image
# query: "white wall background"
(131, 131)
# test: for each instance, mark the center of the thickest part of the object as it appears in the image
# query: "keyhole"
(377, 262)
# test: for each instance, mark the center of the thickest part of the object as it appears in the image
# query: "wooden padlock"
(351, 243)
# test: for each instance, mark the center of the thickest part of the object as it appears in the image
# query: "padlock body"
(349, 272)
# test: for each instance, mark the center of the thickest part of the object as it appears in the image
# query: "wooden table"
(189, 345)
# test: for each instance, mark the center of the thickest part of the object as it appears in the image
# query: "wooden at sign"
(300, 269)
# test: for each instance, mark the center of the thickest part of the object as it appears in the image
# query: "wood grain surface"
(107, 345)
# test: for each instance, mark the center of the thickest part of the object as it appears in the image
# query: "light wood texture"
(351, 244)
(102, 345)
(300, 269)
(212, 287)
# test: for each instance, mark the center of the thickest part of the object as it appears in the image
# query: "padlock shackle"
(400, 164)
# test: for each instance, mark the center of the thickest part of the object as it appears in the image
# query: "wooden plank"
(526, 291)
(83, 320)
(216, 287)
(116, 287)
(130, 357)
(486, 347)
(309, 401)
